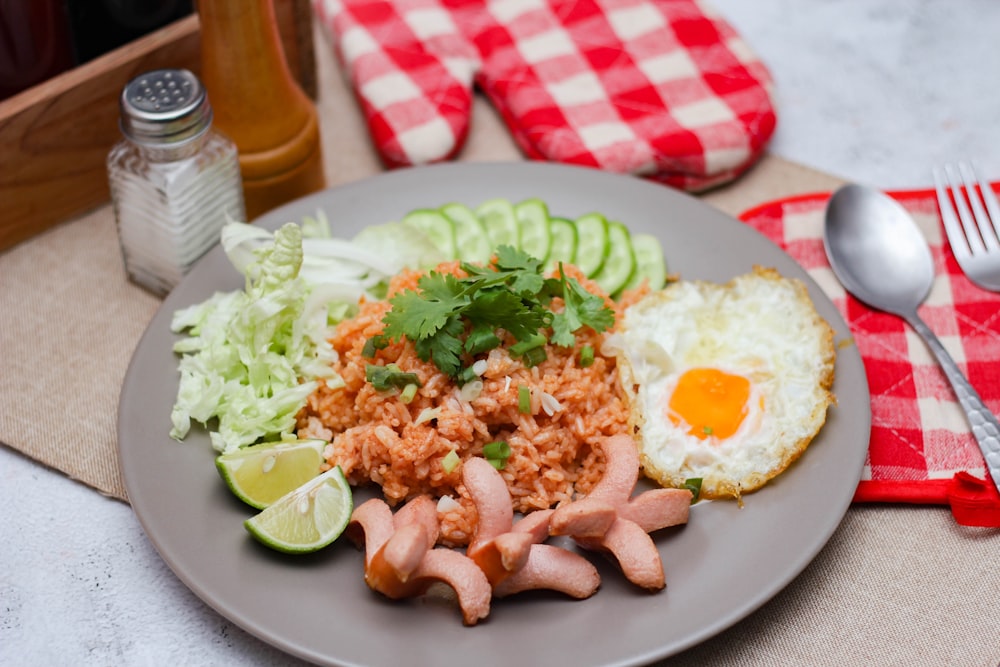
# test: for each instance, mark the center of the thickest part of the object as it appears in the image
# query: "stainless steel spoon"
(881, 257)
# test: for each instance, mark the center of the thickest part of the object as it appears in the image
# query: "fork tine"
(982, 218)
(956, 238)
(990, 199)
(972, 236)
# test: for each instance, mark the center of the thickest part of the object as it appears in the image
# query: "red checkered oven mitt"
(921, 448)
(658, 88)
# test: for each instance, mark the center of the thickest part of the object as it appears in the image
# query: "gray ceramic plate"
(720, 567)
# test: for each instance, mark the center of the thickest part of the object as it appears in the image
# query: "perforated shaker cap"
(164, 106)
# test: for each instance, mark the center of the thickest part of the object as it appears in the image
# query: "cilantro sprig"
(450, 320)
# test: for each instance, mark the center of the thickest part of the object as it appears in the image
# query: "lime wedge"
(261, 474)
(307, 519)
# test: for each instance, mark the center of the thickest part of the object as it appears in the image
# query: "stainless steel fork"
(971, 217)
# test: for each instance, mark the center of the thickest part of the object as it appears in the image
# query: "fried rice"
(377, 438)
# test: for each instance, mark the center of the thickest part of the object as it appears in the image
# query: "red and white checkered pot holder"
(921, 448)
(657, 88)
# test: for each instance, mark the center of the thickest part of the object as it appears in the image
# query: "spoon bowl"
(880, 256)
(876, 250)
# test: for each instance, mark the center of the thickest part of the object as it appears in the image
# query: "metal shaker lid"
(164, 106)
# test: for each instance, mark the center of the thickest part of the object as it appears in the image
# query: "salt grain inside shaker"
(174, 180)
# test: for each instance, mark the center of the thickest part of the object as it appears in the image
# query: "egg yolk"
(710, 401)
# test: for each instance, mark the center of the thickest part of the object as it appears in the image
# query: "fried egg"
(728, 383)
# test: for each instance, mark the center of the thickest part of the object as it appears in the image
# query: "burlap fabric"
(896, 585)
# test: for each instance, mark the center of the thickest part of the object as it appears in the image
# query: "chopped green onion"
(707, 430)
(532, 342)
(693, 484)
(534, 356)
(372, 345)
(450, 461)
(586, 356)
(480, 341)
(524, 399)
(389, 376)
(497, 453)
(468, 374)
(409, 391)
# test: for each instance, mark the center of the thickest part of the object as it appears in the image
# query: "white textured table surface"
(878, 91)
(874, 91)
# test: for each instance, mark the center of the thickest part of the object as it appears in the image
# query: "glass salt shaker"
(174, 180)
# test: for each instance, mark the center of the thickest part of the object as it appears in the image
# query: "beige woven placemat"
(70, 322)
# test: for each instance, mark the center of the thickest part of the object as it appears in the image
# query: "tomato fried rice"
(377, 437)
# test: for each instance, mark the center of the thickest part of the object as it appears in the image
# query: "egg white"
(761, 326)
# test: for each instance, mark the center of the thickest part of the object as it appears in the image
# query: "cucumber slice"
(564, 242)
(497, 216)
(592, 243)
(533, 221)
(472, 243)
(649, 262)
(437, 226)
(620, 263)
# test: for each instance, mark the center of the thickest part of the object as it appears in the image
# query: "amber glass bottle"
(258, 104)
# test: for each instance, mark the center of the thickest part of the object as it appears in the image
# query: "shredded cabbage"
(247, 352)
(251, 358)
(347, 268)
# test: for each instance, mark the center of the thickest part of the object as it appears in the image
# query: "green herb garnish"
(693, 484)
(497, 453)
(409, 392)
(372, 345)
(467, 374)
(582, 308)
(451, 319)
(450, 461)
(586, 356)
(390, 376)
(532, 342)
(523, 400)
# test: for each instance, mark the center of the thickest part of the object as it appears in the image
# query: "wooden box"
(55, 137)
